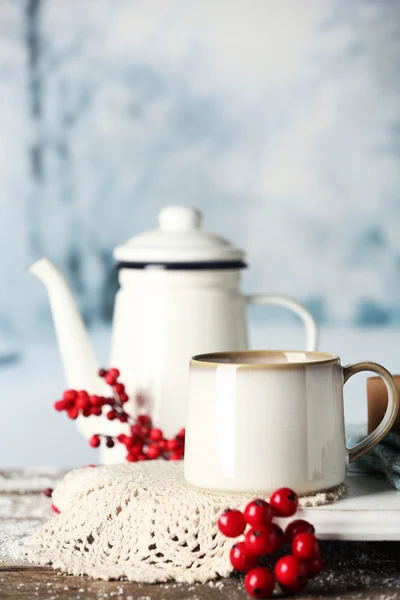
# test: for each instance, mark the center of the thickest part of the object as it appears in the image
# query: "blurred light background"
(279, 119)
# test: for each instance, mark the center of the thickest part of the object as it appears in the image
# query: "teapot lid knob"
(179, 218)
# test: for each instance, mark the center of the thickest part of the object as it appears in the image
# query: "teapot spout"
(79, 362)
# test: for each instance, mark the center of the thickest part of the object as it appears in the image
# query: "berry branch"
(143, 442)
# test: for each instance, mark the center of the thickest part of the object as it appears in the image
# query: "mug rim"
(210, 359)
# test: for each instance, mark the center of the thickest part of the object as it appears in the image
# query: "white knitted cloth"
(139, 521)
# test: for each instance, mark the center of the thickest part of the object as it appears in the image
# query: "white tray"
(369, 511)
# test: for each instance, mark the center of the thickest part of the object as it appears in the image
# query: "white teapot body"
(162, 318)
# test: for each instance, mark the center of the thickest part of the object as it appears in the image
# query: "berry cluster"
(81, 403)
(146, 442)
(264, 537)
(143, 442)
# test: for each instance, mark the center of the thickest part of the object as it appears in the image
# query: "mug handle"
(391, 412)
(294, 306)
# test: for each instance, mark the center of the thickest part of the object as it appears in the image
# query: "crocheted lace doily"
(139, 521)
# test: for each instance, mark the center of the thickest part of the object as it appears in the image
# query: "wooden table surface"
(354, 570)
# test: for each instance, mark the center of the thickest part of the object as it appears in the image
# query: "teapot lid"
(179, 243)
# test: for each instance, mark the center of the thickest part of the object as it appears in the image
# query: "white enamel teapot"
(179, 296)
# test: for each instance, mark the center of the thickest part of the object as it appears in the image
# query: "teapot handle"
(291, 304)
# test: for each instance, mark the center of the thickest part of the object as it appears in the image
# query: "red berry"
(264, 539)
(182, 433)
(136, 430)
(176, 455)
(155, 435)
(114, 373)
(259, 583)
(173, 445)
(86, 412)
(276, 537)
(314, 566)
(284, 501)
(136, 448)
(134, 443)
(94, 441)
(110, 442)
(102, 372)
(142, 456)
(70, 395)
(290, 573)
(73, 413)
(258, 512)
(48, 492)
(124, 398)
(231, 523)
(60, 405)
(241, 559)
(82, 403)
(119, 388)
(132, 457)
(153, 451)
(83, 394)
(122, 438)
(128, 442)
(144, 421)
(123, 417)
(110, 379)
(111, 415)
(55, 509)
(94, 400)
(296, 527)
(162, 444)
(305, 546)
(95, 410)
(89, 466)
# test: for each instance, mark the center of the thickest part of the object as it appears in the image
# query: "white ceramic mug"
(258, 420)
